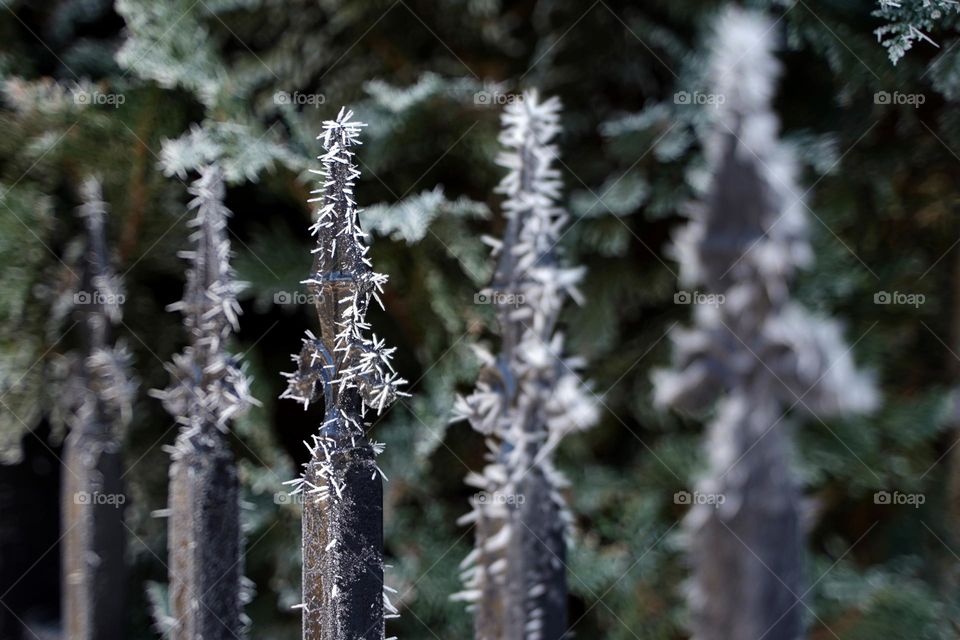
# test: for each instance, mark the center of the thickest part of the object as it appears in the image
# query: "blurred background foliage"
(199, 81)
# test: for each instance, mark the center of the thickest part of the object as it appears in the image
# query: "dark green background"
(883, 218)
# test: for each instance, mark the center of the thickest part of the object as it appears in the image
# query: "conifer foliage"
(208, 389)
(343, 591)
(763, 352)
(528, 397)
(908, 23)
(101, 396)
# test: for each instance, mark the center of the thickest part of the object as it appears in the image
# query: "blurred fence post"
(527, 399)
(93, 497)
(753, 353)
(208, 388)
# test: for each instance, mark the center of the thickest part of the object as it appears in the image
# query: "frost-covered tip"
(108, 287)
(532, 187)
(530, 270)
(743, 65)
(744, 154)
(209, 385)
(343, 360)
(342, 514)
(108, 386)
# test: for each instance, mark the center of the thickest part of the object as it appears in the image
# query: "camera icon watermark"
(97, 297)
(299, 99)
(698, 498)
(282, 497)
(899, 298)
(698, 98)
(115, 500)
(897, 98)
(507, 499)
(294, 298)
(499, 298)
(96, 98)
(488, 98)
(699, 298)
(896, 498)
